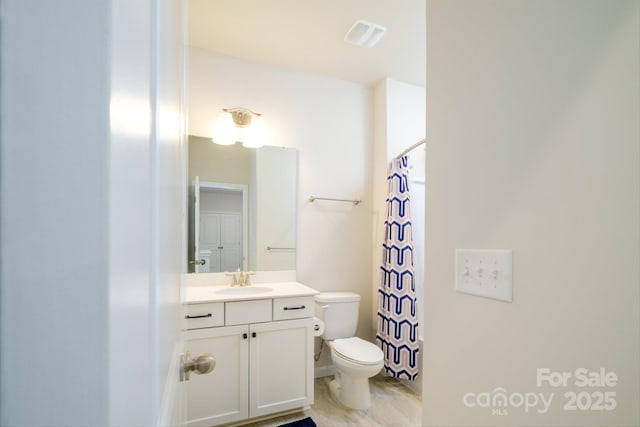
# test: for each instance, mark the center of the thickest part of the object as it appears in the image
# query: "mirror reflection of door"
(221, 241)
(195, 262)
(220, 213)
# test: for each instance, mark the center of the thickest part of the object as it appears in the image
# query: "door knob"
(203, 364)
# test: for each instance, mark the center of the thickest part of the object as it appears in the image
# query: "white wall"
(534, 137)
(329, 122)
(406, 110)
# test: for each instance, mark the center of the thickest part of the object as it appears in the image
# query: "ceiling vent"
(365, 34)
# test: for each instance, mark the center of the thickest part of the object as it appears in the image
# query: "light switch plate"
(486, 273)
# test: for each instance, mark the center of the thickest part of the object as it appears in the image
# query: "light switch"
(486, 273)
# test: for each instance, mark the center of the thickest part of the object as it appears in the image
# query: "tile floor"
(393, 405)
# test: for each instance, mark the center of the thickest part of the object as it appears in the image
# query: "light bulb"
(255, 135)
(224, 130)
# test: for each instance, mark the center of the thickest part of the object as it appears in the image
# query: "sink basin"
(244, 290)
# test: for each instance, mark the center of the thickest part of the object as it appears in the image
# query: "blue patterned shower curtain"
(397, 333)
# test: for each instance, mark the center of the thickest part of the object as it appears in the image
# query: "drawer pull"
(302, 307)
(200, 316)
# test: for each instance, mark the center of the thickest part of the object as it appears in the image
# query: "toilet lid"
(358, 350)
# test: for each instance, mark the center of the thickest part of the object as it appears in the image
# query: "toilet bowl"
(355, 360)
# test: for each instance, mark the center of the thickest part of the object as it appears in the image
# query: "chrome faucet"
(240, 278)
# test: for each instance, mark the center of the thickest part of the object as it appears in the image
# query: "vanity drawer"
(243, 312)
(204, 315)
(292, 308)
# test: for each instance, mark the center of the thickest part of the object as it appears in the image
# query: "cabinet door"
(281, 366)
(221, 396)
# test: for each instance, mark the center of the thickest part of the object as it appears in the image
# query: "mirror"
(242, 207)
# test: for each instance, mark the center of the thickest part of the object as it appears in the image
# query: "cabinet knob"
(244, 336)
(253, 334)
(203, 364)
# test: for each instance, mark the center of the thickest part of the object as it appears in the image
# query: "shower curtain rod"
(416, 145)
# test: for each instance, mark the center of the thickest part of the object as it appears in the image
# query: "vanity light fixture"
(239, 125)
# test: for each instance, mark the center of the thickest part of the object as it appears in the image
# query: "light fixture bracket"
(241, 116)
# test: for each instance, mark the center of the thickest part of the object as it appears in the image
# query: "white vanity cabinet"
(221, 396)
(263, 365)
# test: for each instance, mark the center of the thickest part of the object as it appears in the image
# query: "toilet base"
(351, 392)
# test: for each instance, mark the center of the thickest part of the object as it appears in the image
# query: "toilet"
(354, 359)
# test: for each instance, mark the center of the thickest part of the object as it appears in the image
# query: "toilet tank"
(339, 312)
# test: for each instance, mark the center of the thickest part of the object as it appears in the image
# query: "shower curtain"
(397, 333)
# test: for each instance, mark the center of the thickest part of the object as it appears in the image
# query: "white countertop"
(202, 294)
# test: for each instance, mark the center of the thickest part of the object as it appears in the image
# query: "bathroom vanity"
(262, 339)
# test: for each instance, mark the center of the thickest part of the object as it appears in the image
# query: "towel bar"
(313, 199)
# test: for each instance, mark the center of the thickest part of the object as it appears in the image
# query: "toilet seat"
(357, 351)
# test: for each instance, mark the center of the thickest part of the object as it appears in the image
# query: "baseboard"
(324, 371)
